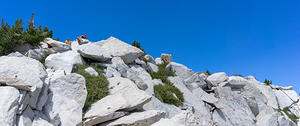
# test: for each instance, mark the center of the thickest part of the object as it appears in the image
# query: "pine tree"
(17, 34)
(138, 45)
(207, 72)
(268, 82)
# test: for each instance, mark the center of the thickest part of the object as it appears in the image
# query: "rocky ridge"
(40, 88)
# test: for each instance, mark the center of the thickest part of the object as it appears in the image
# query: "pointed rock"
(117, 48)
(106, 109)
(56, 45)
(94, 52)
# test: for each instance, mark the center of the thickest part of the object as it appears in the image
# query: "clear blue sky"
(247, 37)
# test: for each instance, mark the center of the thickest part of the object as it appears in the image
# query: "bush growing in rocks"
(287, 111)
(17, 35)
(165, 92)
(207, 72)
(268, 82)
(292, 116)
(97, 86)
(138, 45)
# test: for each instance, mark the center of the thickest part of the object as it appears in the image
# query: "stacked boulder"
(38, 87)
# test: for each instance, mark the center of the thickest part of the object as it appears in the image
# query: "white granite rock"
(9, 97)
(28, 73)
(91, 71)
(117, 48)
(63, 61)
(216, 78)
(145, 118)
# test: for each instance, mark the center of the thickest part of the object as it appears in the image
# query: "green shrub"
(207, 72)
(238, 75)
(165, 92)
(17, 34)
(293, 117)
(268, 82)
(138, 45)
(165, 95)
(97, 86)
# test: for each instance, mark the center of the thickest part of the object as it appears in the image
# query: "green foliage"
(268, 82)
(207, 72)
(17, 34)
(138, 45)
(165, 92)
(162, 73)
(145, 60)
(165, 95)
(293, 117)
(97, 86)
(238, 75)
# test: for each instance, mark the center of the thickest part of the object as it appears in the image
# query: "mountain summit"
(112, 83)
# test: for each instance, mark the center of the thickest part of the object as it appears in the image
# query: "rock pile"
(41, 88)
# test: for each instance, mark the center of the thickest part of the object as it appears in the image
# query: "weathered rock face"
(106, 109)
(269, 117)
(94, 52)
(145, 118)
(127, 97)
(180, 70)
(23, 48)
(71, 86)
(56, 45)
(286, 97)
(75, 46)
(9, 97)
(236, 82)
(139, 75)
(256, 100)
(209, 98)
(63, 111)
(185, 118)
(149, 58)
(195, 81)
(166, 58)
(29, 73)
(152, 67)
(198, 105)
(66, 99)
(135, 97)
(64, 61)
(270, 95)
(26, 118)
(37, 54)
(216, 78)
(234, 108)
(117, 48)
(155, 104)
(40, 122)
